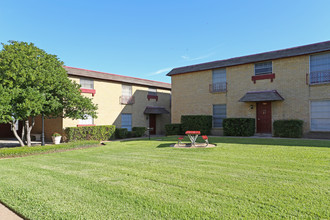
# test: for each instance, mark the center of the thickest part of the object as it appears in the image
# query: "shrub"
(238, 126)
(103, 132)
(202, 123)
(173, 129)
(138, 131)
(288, 128)
(121, 133)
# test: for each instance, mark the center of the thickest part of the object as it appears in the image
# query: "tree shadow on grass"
(272, 141)
(165, 145)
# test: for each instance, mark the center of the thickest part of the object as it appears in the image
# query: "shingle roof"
(290, 52)
(258, 96)
(155, 110)
(117, 78)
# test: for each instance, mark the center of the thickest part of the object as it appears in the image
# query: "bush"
(138, 131)
(103, 132)
(173, 129)
(288, 128)
(238, 126)
(121, 133)
(202, 123)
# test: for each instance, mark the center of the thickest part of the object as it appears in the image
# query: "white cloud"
(187, 58)
(160, 71)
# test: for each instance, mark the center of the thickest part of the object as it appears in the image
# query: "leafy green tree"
(33, 82)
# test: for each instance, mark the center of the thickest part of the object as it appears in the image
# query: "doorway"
(152, 123)
(264, 117)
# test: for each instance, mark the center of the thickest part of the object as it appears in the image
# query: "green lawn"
(240, 178)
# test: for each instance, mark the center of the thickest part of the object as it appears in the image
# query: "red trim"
(85, 125)
(264, 76)
(93, 91)
(146, 80)
(152, 97)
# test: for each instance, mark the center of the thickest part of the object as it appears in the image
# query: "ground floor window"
(219, 113)
(88, 121)
(126, 121)
(320, 115)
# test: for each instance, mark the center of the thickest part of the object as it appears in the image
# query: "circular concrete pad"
(197, 145)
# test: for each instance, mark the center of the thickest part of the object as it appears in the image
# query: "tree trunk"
(13, 128)
(28, 131)
(23, 134)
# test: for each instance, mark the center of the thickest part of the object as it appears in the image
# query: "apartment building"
(122, 101)
(292, 83)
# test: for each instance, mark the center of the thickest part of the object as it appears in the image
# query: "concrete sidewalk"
(7, 214)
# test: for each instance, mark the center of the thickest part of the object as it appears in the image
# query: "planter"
(57, 139)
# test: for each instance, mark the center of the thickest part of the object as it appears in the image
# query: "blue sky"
(148, 38)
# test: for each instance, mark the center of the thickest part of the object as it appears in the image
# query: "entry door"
(152, 124)
(264, 117)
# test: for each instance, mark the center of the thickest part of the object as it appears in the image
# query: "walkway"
(7, 214)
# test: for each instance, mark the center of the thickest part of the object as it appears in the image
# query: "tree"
(33, 82)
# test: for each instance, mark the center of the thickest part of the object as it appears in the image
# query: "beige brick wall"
(110, 110)
(190, 93)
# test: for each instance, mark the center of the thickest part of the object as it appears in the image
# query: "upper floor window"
(152, 94)
(126, 90)
(320, 68)
(263, 68)
(152, 91)
(219, 113)
(126, 98)
(87, 121)
(219, 79)
(87, 83)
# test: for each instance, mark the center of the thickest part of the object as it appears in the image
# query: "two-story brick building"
(292, 83)
(122, 101)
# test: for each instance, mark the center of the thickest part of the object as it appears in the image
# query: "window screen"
(88, 121)
(87, 83)
(126, 121)
(126, 90)
(320, 68)
(219, 75)
(263, 68)
(320, 115)
(219, 113)
(152, 91)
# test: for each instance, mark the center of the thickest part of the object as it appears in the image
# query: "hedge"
(202, 123)
(138, 131)
(238, 126)
(103, 132)
(121, 133)
(288, 128)
(173, 129)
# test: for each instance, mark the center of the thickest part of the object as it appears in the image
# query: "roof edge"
(118, 78)
(258, 57)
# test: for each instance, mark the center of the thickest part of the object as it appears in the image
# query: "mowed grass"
(142, 179)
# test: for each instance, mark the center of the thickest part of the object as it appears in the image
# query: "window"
(218, 80)
(320, 115)
(219, 113)
(87, 83)
(126, 90)
(88, 121)
(152, 91)
(126, 121)
(263, 68)
(320, 68)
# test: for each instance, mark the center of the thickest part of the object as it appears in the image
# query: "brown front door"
(152, 124)
(264, 117)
